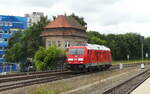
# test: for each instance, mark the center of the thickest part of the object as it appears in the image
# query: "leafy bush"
(45, 59)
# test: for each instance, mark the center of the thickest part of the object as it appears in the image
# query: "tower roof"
(65, 22)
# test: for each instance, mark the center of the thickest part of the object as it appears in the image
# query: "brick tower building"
(63, 32)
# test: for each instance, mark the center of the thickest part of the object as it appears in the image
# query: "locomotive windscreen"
(76, 51)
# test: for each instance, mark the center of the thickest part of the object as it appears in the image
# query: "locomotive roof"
(97, 47)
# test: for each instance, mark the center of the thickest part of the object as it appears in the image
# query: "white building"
(33, 17)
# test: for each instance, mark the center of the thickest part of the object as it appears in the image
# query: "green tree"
(28, 41)
(121, 45)
(96, 38)
(13, 57)
(79, 19)
(14, 39)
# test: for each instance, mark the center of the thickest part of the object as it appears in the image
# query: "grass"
(129, 62)
(42, 91)
(54, 88)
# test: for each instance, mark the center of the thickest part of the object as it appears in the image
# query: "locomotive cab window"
(77, 51)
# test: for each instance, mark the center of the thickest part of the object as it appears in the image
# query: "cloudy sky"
(105, 16)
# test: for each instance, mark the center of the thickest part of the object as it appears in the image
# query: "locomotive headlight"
(70, 59)
(80, 59)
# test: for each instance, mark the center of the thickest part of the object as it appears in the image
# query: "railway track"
(29, 76)
(130, 84)
(29, 73)
(10, 83)
(25, 79)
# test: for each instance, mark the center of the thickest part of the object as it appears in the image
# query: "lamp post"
(146, 55)
(128, 56)
(142, 38)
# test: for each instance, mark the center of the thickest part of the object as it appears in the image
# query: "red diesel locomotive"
(89, 57)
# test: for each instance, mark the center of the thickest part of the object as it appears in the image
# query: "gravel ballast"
(92, 83)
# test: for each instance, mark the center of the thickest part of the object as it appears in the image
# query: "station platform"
(144, 88)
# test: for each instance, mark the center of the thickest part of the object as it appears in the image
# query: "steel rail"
(121, 88)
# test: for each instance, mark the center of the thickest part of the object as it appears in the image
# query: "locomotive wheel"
(90, 69)
(85, 70)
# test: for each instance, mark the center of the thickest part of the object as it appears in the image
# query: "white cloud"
(105, 16)
(142, 29)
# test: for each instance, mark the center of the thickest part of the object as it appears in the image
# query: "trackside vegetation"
(46, 59)
(130, 62)
(23, 45)
(122, 45)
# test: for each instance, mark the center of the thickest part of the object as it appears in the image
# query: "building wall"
(8, 26)
(33, 17)
(64, 41)
(64, 37)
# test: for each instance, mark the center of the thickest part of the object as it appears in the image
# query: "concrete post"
(121, 66)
